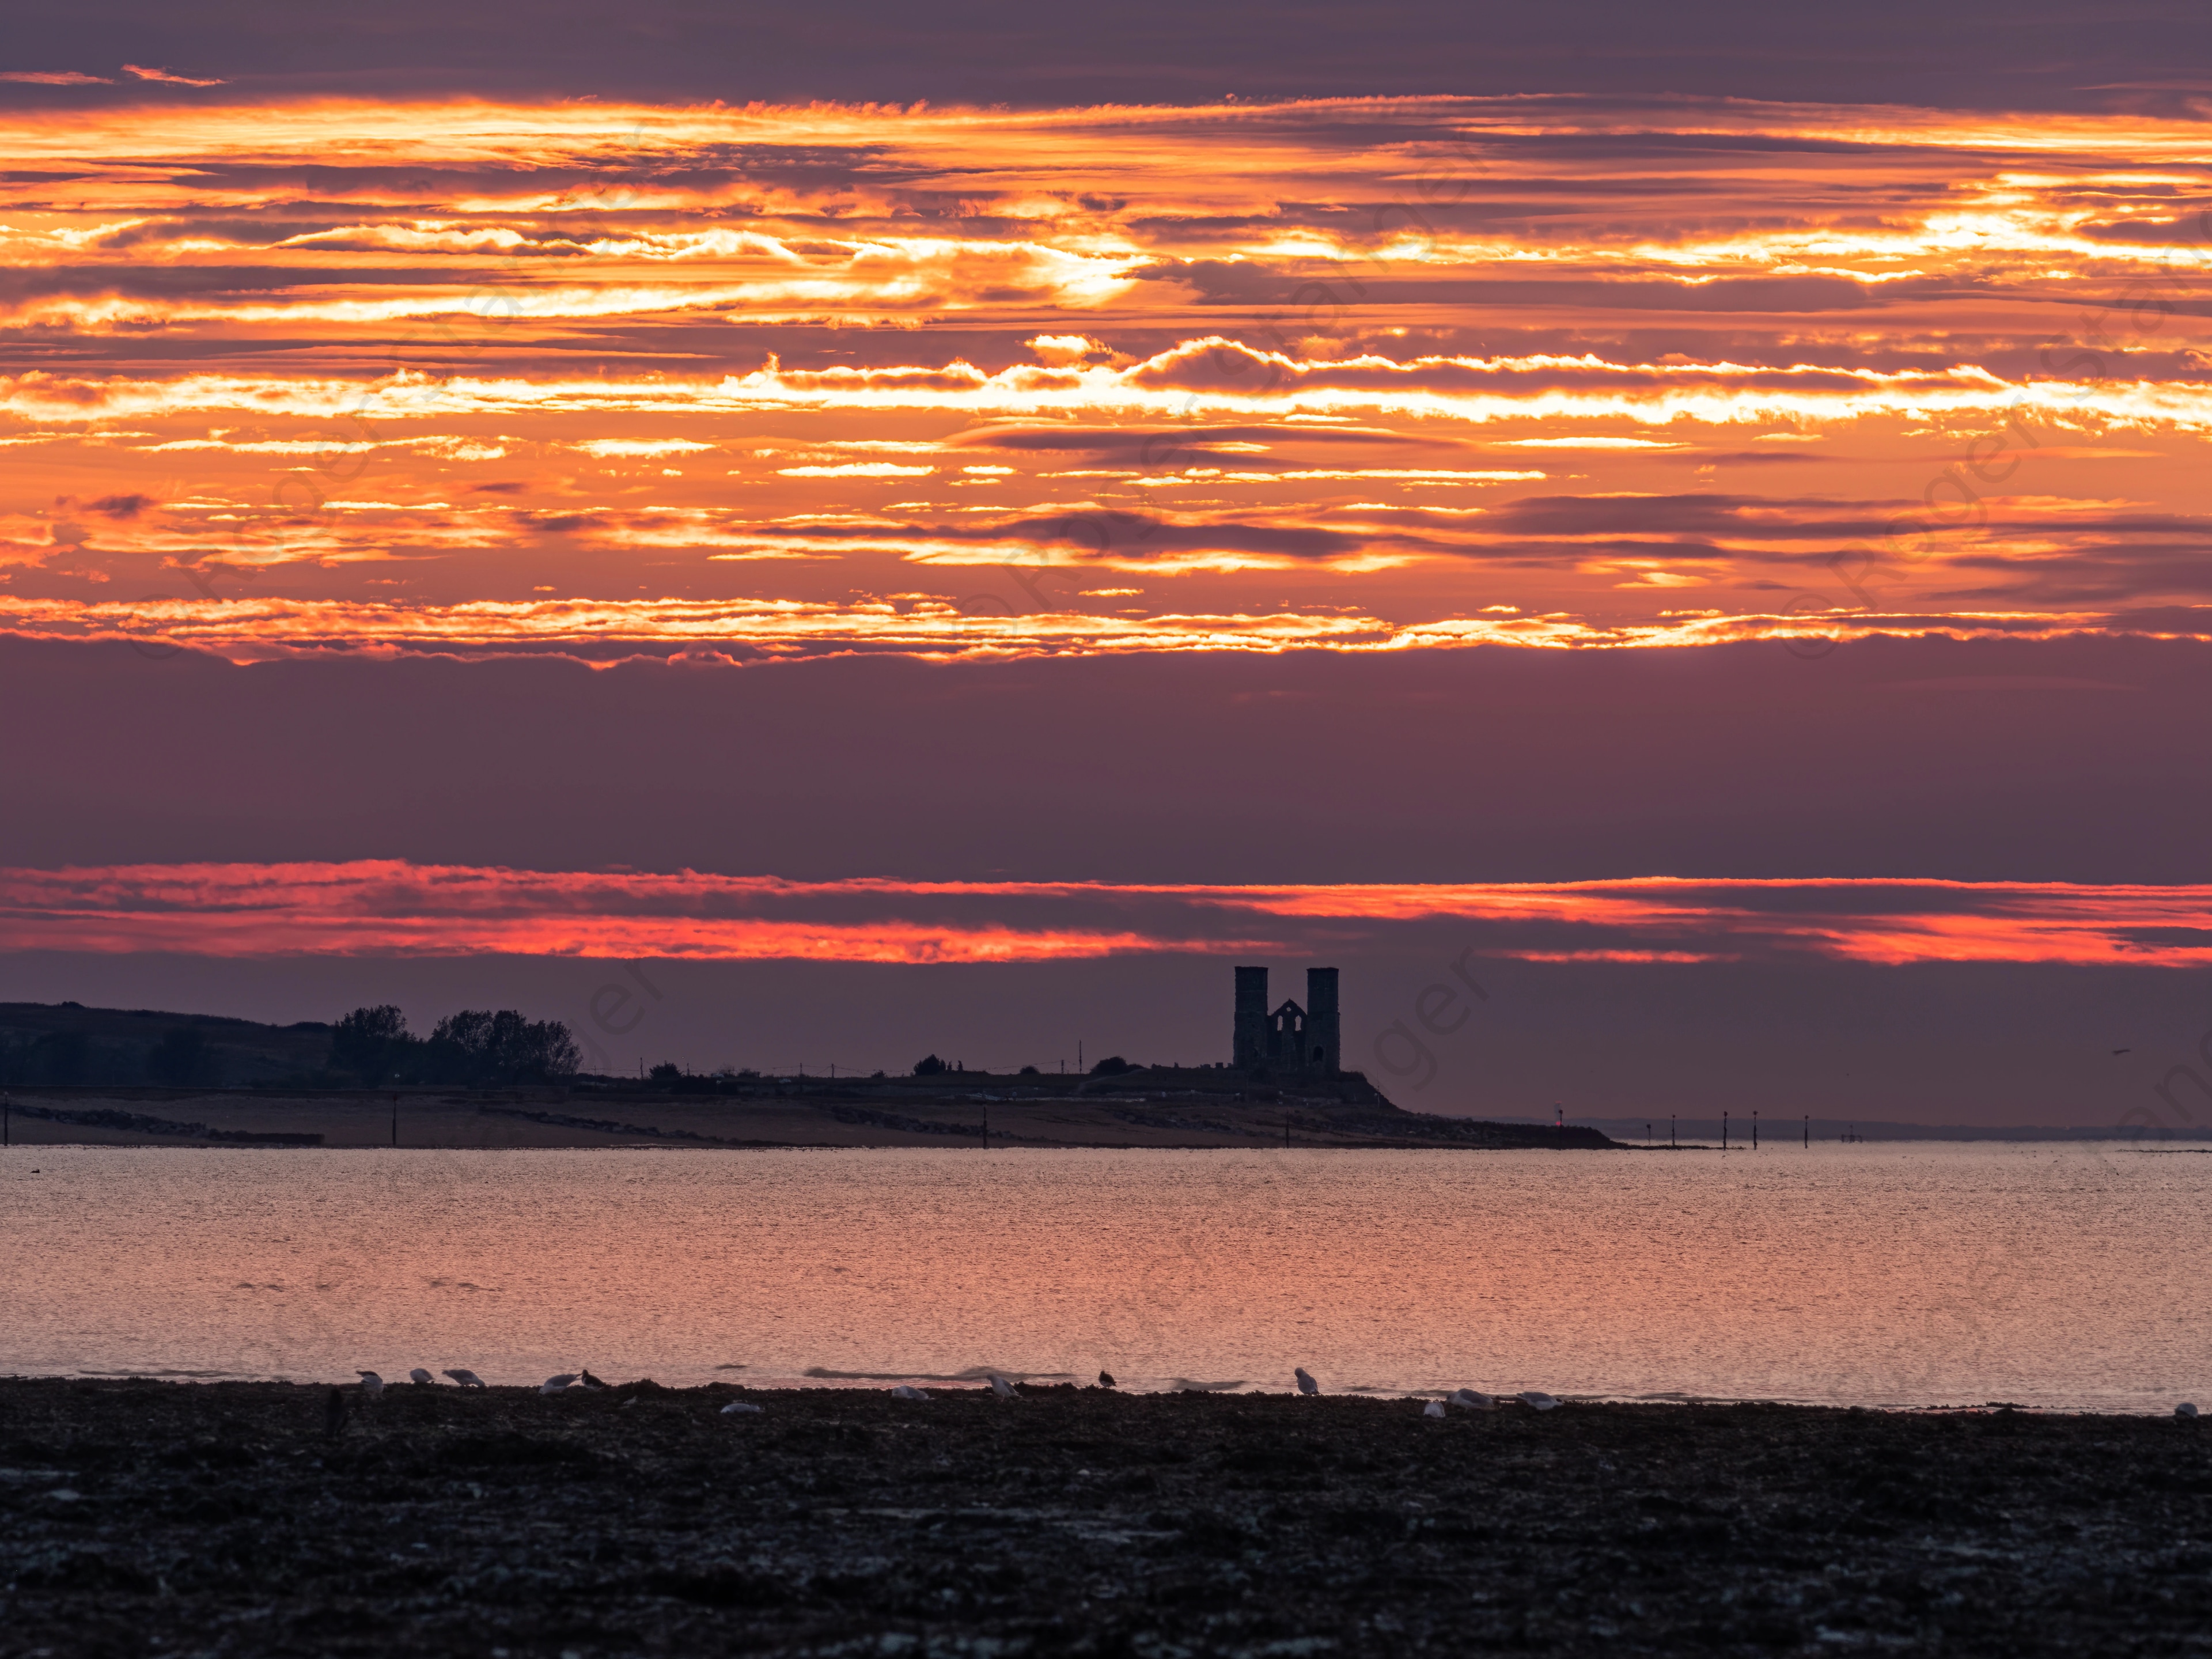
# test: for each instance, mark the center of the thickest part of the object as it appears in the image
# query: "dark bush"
(1112, 1066)
(929, 1065)
(478, 1048)
(373, 1044)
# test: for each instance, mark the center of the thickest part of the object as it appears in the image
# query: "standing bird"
(1434, 1408)
(467, 1378)
(1541, 1401)
(371, 1384)
(422, 1379)
(1306, 1384)
(1105, 1379)
(559, 1385)
(1003, 1389)
(588, 1379)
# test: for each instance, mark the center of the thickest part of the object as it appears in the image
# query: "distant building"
(1303, 1042)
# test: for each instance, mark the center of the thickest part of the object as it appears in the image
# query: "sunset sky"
(942, 531)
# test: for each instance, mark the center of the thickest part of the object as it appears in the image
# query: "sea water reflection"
(2050, 1276)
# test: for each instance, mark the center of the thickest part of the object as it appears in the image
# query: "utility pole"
(1724, 1131)
(1754, 1128)
(1808, 1131)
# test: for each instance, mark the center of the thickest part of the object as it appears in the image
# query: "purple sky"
(442, 435)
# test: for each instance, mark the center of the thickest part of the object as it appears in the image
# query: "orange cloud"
(389, 907)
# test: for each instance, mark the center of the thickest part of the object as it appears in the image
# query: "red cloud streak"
(388, 908)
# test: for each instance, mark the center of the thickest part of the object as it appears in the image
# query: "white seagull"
(371, 1384)
(2184, 1409)
(906, 1391)
(559, 1385)
(1541, 1401)
(1434, 1408)
(467, 1378)
(736, 1406)
(1470, 1400)
(1306, 1384)
(1003, 1389)
(421, 1377)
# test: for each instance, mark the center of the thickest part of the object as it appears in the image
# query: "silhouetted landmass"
(147, 1517)
(367, 1080)
(68, 1044)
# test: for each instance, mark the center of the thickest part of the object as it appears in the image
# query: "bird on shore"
(1003, 1389)
(1472, 1401)
(1434, 1408)
(908, 1391)
(585, 1377)
(1306, 1384)
(1105, 1379)
(2186, 1410)
(371, 1384)
(737, 1407)
(467, 1378)
(559, 1385)
(1536, 1397)
(422, 1379)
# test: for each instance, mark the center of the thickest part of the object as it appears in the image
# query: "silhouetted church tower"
(1293, 1039)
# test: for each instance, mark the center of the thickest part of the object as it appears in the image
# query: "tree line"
(474, 1048)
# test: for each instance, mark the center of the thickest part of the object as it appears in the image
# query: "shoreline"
(848, 1385)
(241, 1518)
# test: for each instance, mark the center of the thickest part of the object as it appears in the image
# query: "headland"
(1144, 1106)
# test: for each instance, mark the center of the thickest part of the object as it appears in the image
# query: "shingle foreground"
(143, 1517)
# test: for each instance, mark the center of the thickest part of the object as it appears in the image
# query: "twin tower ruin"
(1292, 1039)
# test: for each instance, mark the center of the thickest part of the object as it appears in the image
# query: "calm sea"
(2066, 1276)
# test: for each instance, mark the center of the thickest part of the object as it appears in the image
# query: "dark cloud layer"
(2036, 54)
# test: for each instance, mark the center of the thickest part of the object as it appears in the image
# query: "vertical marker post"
(1724, 1131)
